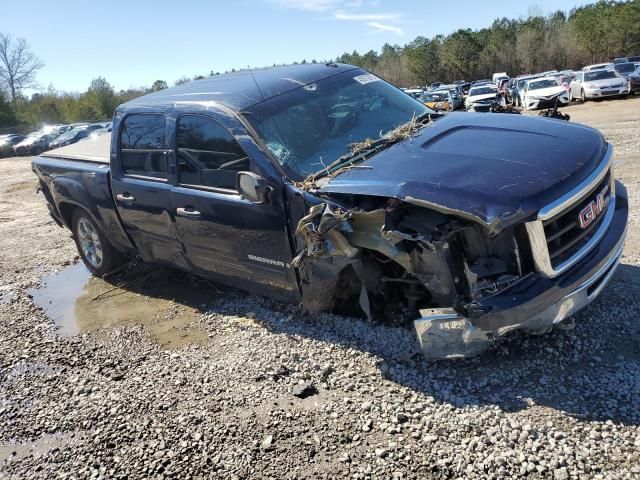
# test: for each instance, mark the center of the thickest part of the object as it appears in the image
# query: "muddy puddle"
(38, 448)
(165, 302)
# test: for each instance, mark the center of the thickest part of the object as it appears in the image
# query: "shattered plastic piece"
(443, 333)
(320, 229)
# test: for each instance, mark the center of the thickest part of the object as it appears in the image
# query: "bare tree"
(18, 66)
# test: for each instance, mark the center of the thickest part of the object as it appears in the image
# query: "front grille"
(564, 234)
(609, 92)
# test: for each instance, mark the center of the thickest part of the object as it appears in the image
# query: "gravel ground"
(266, 393)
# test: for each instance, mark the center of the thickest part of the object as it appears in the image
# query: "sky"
(133, 43)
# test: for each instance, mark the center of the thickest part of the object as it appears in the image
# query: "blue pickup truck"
(325, 186)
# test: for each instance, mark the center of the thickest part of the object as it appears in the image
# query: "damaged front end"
(399, 261)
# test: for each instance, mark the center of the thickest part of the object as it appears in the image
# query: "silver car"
(597, 84)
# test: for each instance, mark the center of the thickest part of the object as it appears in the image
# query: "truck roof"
(240, 90)
(92, 149)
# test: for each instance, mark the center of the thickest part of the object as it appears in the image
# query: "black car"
(72, 136)
(634, 82)
(34, 144)
(7, 142)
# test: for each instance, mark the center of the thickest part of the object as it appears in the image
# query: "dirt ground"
(168, 376)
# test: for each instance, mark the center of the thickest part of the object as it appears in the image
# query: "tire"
(570, 96)
(96, 252)
(583, 96)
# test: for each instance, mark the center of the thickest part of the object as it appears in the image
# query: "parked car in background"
(55, 129)
(414, 92)
(564, 76)
(34, 143)
(481, 82)
(435, 85)
(596, 66)
(456, 94)
(543, 92)
(496, 77)
(7, 142)
(72, 136)
(517, 92)
(100, 131)
(481, 98)
(597, 84)
(620, 60)
(625, 70)
(464, 86)
(634, 82)
(440, 100)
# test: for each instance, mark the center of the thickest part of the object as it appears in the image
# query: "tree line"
(588, 34)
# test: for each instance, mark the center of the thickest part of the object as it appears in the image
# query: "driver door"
(222, 233)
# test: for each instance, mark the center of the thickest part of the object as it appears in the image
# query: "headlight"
(588, 86)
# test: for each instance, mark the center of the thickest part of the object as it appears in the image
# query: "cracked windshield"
(310, 127)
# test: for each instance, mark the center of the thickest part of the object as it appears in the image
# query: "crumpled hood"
(495, 169)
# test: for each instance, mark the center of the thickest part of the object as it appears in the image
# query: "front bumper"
(538, 103)
(480, 107)
(535, 303)
(606, 92)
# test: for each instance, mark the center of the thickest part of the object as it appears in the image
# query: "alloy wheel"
(90, 243)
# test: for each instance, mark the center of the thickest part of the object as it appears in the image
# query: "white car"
(597, 84)
(480, 98)
(542, 93)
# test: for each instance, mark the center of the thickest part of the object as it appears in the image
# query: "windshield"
(482, 91)
(625, 67)
(522, 82)
(599, 75)
(431, 97)
(68, 135)
(310, 127)
(543, 84)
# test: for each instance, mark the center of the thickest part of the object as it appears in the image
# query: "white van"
(499, 76)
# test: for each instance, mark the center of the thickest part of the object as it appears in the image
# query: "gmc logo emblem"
(589, 213)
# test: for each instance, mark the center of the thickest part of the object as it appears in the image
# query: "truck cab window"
(207, 154)
(142, 145)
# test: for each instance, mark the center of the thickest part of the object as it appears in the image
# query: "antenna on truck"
(255, 81)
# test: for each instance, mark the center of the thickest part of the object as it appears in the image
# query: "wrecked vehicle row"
(323, 185)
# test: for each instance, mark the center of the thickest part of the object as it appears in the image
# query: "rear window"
(142, 145)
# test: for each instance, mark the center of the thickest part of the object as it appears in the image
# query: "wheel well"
(66, 211)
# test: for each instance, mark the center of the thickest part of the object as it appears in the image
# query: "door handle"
(188, 212)
(125, 198)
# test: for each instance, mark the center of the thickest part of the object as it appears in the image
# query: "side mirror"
(253, 187)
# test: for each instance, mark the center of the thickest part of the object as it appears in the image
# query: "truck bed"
(91, 150)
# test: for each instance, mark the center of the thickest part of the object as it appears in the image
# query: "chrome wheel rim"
(89, 243)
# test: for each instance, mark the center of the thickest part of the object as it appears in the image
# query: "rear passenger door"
(142, 189)
(223, 233)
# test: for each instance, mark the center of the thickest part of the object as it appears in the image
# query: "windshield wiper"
(362, 150)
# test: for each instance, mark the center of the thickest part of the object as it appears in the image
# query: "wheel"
(583, 97)
(96, 252)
